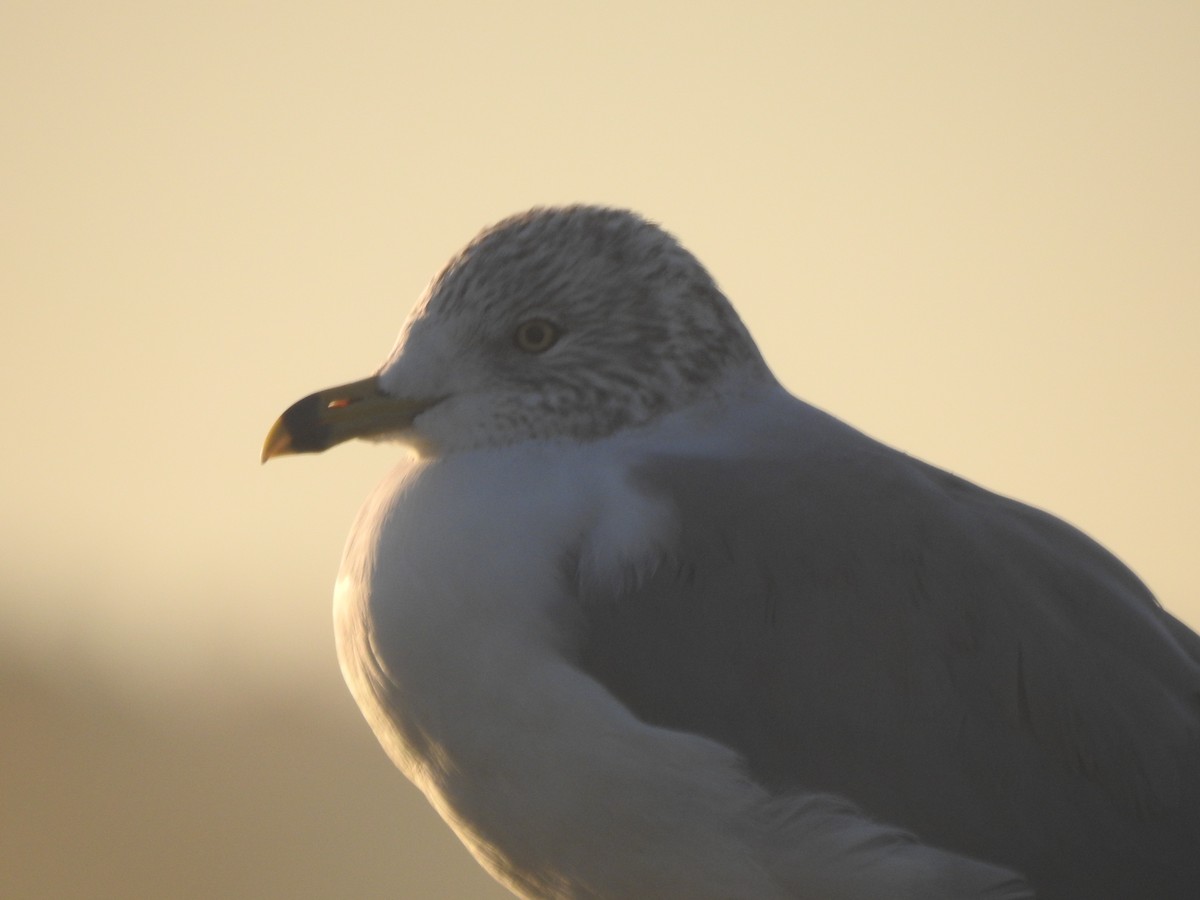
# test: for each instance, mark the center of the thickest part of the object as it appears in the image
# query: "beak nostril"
(339, 403)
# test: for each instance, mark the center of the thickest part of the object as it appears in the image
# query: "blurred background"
(970, 229)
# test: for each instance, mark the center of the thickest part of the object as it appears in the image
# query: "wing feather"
(958, 664)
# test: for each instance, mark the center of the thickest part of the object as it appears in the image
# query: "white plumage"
(641, 624)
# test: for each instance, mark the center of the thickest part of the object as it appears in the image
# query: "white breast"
(452, 621)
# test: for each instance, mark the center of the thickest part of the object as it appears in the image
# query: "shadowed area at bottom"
(252, 797)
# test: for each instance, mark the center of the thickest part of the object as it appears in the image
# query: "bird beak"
(326, 418)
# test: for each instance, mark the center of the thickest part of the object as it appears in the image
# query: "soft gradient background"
(971, 229)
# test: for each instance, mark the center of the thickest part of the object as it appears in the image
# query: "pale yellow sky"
(971, 229)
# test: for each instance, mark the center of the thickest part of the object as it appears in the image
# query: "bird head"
(566, 323)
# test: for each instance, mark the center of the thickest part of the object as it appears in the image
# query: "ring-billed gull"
(641, 624)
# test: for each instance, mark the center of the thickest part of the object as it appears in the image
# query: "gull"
(641, 624)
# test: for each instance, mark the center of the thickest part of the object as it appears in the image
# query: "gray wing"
(956, 663)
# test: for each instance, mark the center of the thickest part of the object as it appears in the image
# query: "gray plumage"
(974, 670)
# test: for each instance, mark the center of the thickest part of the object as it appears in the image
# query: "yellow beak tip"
(277, 443)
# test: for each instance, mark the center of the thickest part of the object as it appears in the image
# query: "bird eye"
(536, 336)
